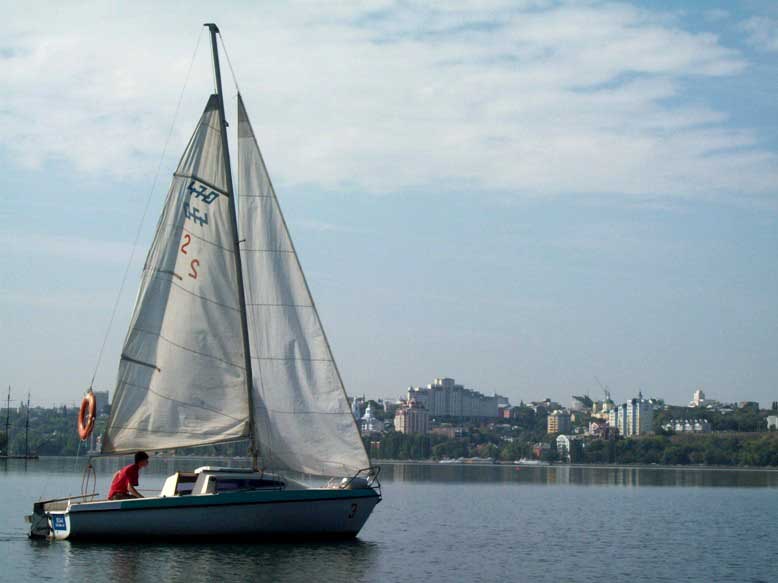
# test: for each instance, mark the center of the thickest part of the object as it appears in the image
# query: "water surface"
(445, 523)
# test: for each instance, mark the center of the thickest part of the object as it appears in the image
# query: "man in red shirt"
(125, 480)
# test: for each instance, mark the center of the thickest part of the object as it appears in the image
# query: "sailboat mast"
(27, 429)
(236, 246)
(8, 423)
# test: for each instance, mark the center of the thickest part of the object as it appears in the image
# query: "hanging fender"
(86, 415)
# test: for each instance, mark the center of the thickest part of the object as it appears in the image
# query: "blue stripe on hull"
(248, 516)
(231, 499)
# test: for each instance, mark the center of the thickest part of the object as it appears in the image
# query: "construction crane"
(604, 388)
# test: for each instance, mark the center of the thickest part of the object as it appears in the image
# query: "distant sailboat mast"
(253, 446)
(27, 429)
(8, 423)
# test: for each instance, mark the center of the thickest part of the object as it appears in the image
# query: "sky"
(535, 198)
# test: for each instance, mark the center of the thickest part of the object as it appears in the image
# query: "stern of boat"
(49, 519)
(39, 522)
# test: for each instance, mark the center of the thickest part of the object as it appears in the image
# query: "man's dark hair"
(140, 456)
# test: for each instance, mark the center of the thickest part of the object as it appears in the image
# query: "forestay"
(303, 420)
(182, 379)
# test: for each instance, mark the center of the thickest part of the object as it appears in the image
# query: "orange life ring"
(88, 409)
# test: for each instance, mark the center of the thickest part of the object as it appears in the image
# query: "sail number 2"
(195, 263)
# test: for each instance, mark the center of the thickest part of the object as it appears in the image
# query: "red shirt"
(125, 477)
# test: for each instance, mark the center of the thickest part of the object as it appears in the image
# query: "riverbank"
(432, 462)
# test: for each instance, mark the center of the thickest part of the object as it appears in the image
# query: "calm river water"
(446, 523)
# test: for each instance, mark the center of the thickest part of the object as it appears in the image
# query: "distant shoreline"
(594, 466)
(392, 462)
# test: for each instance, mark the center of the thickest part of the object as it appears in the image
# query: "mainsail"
(303, 420)
(182, 378)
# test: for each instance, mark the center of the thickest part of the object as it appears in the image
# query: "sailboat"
(225, 343)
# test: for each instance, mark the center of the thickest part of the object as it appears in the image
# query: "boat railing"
(62, 503)
(370, 475)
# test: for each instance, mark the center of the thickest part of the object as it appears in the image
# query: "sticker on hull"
(58, 522)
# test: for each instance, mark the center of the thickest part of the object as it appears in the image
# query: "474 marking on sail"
(206, 195)
(201, 191)
(193, 214)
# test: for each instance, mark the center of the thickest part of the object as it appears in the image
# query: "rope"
(89, 475)
(266, 460)
(145, 211)
(229, 64)
(78, 453)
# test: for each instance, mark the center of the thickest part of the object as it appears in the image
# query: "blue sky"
(521, 195)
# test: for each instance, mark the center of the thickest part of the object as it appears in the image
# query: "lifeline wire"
(145, 211)
(229, 64)
(269, 446)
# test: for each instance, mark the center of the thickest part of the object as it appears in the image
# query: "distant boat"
(527, 462)
(225, 343)
(468, 460)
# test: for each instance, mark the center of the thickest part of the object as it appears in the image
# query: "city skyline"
(520, 196)
(402, 395)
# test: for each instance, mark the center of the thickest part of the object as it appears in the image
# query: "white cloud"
(534, 98)
(77, 249)
(715, 15)
(91, 301)
(324, 227)
(762, 32)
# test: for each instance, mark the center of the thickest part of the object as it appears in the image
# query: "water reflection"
(61, 470)
(582, 475)
(194, 562)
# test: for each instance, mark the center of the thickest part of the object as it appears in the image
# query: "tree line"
(747, 449)
(53, 432)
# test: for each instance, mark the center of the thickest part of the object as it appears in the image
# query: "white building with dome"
(369, 423)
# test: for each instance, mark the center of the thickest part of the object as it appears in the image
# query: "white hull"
(531, 463)
(257, 515)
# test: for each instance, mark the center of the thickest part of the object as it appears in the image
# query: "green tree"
(487, 450)
(676, 455)
(515, 450)
(451, 449)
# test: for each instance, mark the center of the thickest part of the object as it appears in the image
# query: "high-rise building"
(617, 418)
(558, 422)
(412, 418)
(102, 407)
(444, 398)
(635, 417)
(640, 417)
